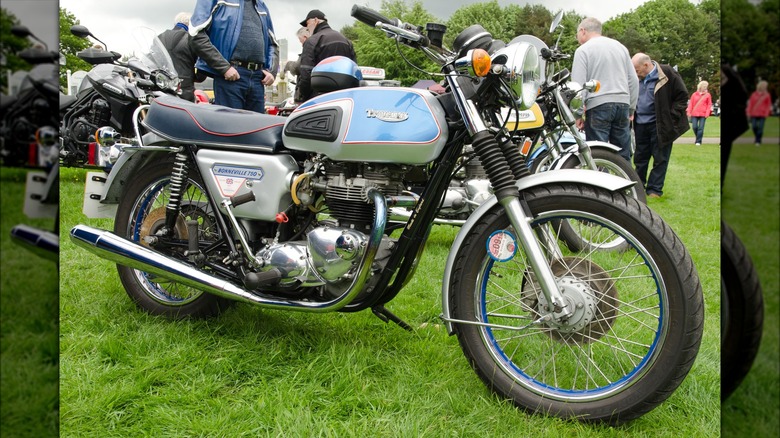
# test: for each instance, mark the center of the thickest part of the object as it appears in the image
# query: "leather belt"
(248, 65)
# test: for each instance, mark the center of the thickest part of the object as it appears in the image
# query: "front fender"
(577, 176)
(573, 149)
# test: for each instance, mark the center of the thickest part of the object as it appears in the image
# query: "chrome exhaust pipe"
(111, 247)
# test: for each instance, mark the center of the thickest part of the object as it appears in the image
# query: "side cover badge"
(231, 178)
(501, 246)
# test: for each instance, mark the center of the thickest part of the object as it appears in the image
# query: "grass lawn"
(28, 323)
(712, 128)
(751, 205)
(256, 372)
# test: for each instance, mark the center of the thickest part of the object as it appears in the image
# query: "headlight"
(164, 81)
(524, 71)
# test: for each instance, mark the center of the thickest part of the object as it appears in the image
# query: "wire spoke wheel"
(141, 217)
(617, 354)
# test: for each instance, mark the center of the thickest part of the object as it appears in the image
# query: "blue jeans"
(697, 123)
(647, 146)
(248, 92)
(609, 122)
(757, 123)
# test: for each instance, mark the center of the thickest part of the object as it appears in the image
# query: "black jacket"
(324, 43)
(180, 47)
(671, 103)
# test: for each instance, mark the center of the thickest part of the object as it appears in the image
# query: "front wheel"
(637, 314)
(741, 311)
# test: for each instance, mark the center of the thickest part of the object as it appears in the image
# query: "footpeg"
(254, 280)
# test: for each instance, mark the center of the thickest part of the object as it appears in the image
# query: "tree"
(374, 48)
(674, 32)
(69, 46)
(11, 46)
(750, 39)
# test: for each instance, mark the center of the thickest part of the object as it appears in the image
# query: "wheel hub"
(589, 294)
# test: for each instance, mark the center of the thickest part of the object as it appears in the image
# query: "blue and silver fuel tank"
(370, 124)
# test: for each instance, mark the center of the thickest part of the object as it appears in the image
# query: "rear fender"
(577, 176)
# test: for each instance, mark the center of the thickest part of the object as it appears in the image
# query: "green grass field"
(712, 128)
(751, 206)
(28, 323)
(255, 372)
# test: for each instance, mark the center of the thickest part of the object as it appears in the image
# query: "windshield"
(151, 51)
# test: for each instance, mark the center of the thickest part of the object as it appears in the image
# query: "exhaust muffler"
(119, 250)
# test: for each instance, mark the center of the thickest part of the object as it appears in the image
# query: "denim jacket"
(221, 20)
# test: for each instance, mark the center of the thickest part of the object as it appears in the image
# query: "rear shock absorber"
(495, 165)
(178, 180)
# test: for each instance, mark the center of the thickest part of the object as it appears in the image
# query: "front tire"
(742, 311)
(141, 213)
(637, 321)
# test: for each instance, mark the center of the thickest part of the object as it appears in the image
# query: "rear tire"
(140, 213)
(638, 315)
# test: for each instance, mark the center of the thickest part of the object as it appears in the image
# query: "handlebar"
(396, 26)
(370, 16)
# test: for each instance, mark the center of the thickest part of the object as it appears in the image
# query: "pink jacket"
(759, 105)
(700, 105)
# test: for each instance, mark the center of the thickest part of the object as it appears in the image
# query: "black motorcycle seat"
(66, 100)
(182, 121)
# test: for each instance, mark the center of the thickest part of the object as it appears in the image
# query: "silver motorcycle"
(216, 206)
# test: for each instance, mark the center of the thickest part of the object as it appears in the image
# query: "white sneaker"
(758, 144)
(698, 144)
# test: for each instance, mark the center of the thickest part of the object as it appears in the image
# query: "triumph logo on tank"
(231, 178)
(387, 116)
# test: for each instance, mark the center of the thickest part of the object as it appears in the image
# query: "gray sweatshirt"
(608, 61)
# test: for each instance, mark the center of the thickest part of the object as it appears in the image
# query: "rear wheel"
(140, 215)
(637, 314)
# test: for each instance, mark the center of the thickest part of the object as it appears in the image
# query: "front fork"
(497, 166)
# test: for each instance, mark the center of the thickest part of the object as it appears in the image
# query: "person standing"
(758, 109)
(178, 42)
(324, 42)
(294, 67)
(240, 53)
(699, 108)
(659, 120)
(608, 112)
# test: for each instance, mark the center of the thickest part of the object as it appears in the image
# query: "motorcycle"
(109, 95)
(216, 206)
(33, 107)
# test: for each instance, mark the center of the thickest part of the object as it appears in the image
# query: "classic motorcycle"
(215, 206)
(109, 95)
(32, 108)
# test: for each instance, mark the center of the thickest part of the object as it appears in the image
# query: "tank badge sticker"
(387, 116)
(231, 178)
(501, 246)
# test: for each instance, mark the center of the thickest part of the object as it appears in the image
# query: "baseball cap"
(314, 13)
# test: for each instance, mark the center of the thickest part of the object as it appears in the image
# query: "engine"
(346, 187)
(99, 114)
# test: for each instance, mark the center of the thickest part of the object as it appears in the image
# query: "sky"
(40, 16)
(113, 21)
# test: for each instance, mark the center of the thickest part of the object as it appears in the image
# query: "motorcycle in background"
(215, 206)
(102, 111)
(32, 108)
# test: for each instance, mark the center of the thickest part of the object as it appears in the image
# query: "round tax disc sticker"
(501, 246)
